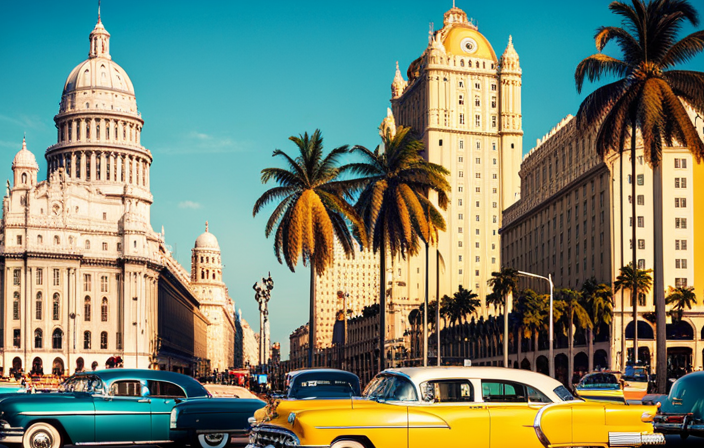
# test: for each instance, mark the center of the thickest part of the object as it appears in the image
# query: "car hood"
(216, 405)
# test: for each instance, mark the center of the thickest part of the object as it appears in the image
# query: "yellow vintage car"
(455, 407)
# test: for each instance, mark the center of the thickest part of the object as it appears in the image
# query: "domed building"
(465, 102)
(215, 301)
(86, 278)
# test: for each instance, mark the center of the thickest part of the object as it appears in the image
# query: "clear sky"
(221, 84)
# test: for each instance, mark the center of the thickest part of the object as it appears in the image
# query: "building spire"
(206, 226)
(98, 11)
(24, 141)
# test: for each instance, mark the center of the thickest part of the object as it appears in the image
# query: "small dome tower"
(398, 86)
(25, 168)
(206, 266)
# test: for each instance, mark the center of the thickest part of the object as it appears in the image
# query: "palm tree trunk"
(659, 282)
(570, 363)
(623, 301)
(311, 314)
(634, 289)
(382, 301)
(425, 312)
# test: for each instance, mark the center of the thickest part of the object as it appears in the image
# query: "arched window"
(104, 310)
(24, 178)
(86, 77)
(202, 274)
(57, 240)
(86, 309)
(461, 62)
(97, 132)
(57, 339)
(104, 340)
(40, 239)
(86, 340)
(16, 306)
(38, 338)
(213, 275)
(38, 305)
(87, 244)
(56, 306)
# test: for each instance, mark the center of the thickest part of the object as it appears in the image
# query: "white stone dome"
(98, 73)
(207, 240)
(24, 158)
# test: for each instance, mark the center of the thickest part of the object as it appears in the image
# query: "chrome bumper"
(635, 439)
(11, 435)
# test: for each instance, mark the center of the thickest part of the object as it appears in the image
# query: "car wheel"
(213, 440)
(41, 435)
(347, 444)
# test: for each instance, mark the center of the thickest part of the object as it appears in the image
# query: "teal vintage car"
(107, 407)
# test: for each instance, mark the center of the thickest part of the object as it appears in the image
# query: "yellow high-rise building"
(464, 103)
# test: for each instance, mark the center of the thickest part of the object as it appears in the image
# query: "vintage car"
(115, 406)
(682, 411)
(601, 386)
(446, 406)
(321, 383)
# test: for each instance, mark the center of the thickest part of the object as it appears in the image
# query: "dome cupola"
(99, 40)
(25, 167)
(399, 84)
(509, 60)
(206, 266)
(207, 240)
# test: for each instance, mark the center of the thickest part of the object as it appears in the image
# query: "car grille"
(272, 436)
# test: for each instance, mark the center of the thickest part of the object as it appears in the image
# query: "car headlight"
(172, 420)
(4, 424)
(292, 418)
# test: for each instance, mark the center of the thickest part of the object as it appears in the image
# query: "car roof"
(317, 370)
(192, 387)
(422, 374)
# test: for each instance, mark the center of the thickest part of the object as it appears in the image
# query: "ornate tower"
(25, 168)
(99, 127)
(511, 131)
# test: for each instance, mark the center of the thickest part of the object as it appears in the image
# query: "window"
(493, 87)
(461, 118)
(57, 339)
(459, 244)
(86, 309)
(494, 176)
(447, 391)
(128, 388)
(38, 305)
(459, 202)
(105, 246)
(510, 392)
(460, 258)
(641, 244)
(38, 338)
(16, 338)
(16, 306)
(477, 120)
(104, 310)
(460, 174)
(104, 340)
(479, 145)
(493, 102)
(680, 182)
(461, 144)
(680, 282)
(681, 263)
(478, 175)
(680, 163)
(478, 189)
(56, 306)
(57, 240)
(641, 221)
(478, 160)
(459, 230)
(19, 240)
(86, 340)
(641, 263)
(40, 276)
(680, 244)
(460, 189)
(57, 277)
(87, 244)
(40, 240)
(680, 223)
(461, 99)
(87, 282)
(103, 283)
(493, 121)
(460, 216)
(477, 86)
(461, 84)
(680, 202)
(16, 277)
(641, 199)
(494, 205)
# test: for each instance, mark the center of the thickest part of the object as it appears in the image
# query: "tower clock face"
(469, 45)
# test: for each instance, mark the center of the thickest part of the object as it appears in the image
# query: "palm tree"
(503, 283)
(651, 97)
(394, 183)
(533, 314)
(638, 282)
(311, 211)
(574, 315)
(462, 304)
(680, 298)
(598, 301)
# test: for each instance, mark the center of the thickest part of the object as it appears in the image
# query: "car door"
(163, 397)
(124, 414)
(512, 408)
(448, 415)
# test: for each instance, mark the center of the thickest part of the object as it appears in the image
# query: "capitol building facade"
(86, 281)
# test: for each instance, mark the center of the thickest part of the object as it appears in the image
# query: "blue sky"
(221, 84)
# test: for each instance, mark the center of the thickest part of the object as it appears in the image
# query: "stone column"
(92, 166)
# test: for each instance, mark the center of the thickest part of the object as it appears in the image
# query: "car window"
(391, 387)
(563, 393)
(535, 396)
(164, 389)
(82, 383)
(128, 388)
(324, 384)
(447, 391)
(504, 391)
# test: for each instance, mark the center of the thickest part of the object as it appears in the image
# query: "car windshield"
(599, 381)
(324, 385)
(392, 388)
(82, 383)
(637, 374)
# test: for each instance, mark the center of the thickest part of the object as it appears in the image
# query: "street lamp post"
(136, 334)
(550, 331)
(262, 295)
